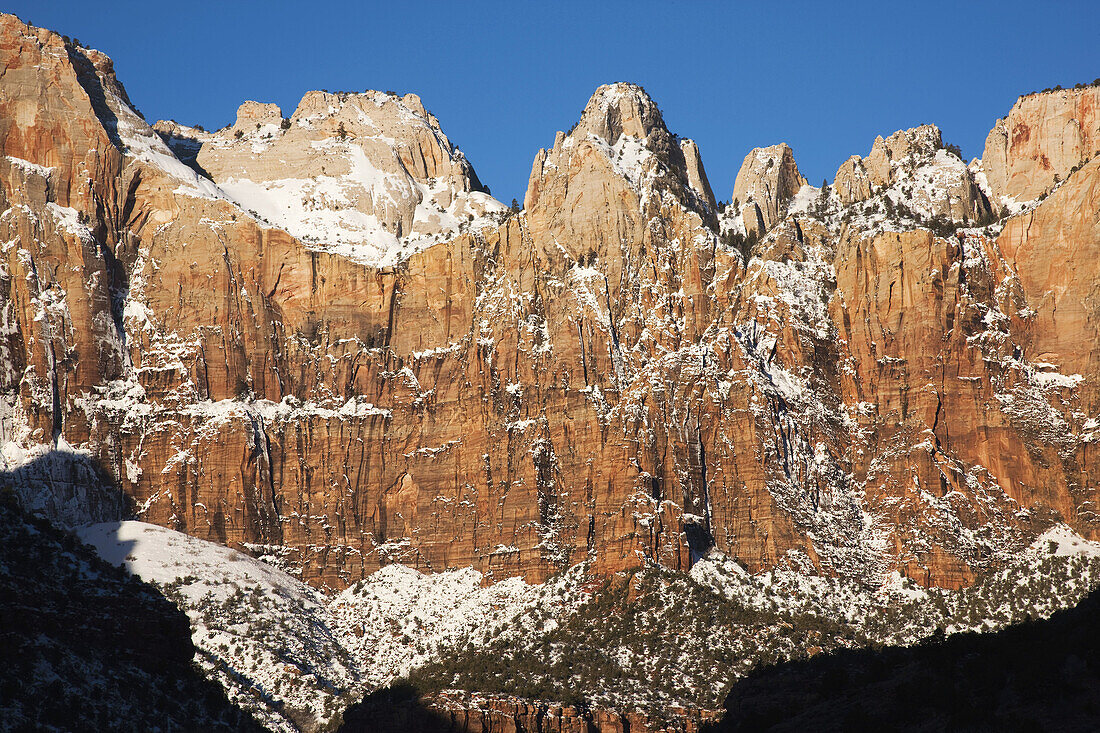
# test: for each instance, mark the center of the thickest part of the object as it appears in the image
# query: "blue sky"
(503, 76)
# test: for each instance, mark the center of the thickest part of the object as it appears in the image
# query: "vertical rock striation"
(376, 364)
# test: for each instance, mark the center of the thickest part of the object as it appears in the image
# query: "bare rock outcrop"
(697, 176)
(852, 182)
(254, 115)
(767, 181)
(1042, 138)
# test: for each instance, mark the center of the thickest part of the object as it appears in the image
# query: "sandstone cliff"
(767, 181)
(598, 377)
(1043, 137)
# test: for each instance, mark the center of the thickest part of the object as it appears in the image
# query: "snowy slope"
(288, 654)
(398, 618)
(266, 637)
(295, 658)
(84, 646)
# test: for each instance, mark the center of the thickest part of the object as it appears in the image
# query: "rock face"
(852, 182)
(767, 181)
(254, 115)
(1053, 249)
(597, 378)
(1043, 137)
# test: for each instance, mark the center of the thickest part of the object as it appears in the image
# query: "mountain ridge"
(626, 434)
(616, 277)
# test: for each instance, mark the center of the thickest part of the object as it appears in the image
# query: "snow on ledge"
(1061, 541)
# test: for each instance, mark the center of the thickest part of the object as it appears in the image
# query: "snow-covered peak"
(370, 176)
(910, 179)
(919, 142)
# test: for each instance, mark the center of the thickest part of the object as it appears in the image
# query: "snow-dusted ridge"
(295, 657)
(370, 176)
(291, 655)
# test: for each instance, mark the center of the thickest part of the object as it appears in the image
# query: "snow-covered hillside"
(287, 653)
(266, 637)
(85, 646)
(370, 176)
(657, 639)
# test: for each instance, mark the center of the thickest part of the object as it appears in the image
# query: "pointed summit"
(767, 181)
(623, 124)
(620, 109)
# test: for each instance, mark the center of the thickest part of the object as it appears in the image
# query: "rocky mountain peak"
(697, 176)
(250, 114)
(911, 176)
(623, 125)
(767, 181)
(369, 175)
(917, 143)
(852, 183)
(620, 109)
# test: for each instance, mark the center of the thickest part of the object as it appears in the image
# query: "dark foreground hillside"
(84, 646)
(1037, 676)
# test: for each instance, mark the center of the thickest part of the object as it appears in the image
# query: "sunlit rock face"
(320, 341)
(1041, 140)
(766, 183)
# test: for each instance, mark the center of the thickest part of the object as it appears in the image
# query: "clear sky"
(502, 77)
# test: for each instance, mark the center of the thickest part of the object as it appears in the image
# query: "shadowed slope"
(1041, 675)
(85, 646)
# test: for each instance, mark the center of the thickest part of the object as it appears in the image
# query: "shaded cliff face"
(598, 377)
(400, 709)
